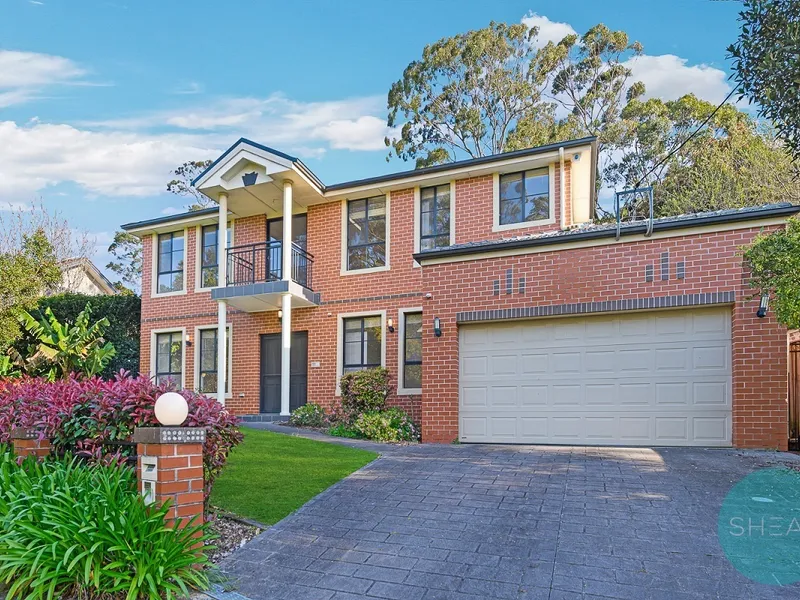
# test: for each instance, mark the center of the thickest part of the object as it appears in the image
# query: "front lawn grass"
(270, 475)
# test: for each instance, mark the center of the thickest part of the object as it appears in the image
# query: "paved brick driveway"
(471, 522)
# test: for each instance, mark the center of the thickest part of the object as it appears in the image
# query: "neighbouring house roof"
(70, 283)
(604, 230)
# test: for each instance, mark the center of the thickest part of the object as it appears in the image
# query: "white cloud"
(549, 31)
(134, 156)
(363, 133)
(669, 77)
(355, 124)
(106, 163)
(172, 210)
(24, 74)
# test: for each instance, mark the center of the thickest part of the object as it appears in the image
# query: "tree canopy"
(498, 89)
(127, 264)
(26, 273)
(493, 89)
(181, 184)
(766, 60)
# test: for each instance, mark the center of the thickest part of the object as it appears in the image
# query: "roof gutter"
(596, 234)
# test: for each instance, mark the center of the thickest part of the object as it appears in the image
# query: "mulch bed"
(233, 534)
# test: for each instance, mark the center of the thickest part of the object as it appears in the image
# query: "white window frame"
(344, 269)
(229, 380)
(340, 340)
(153, 351)
(154, 266)
(401, 343)
(198, 255)
(418, 215)
(551, 176)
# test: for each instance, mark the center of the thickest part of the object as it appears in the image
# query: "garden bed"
(231, 534)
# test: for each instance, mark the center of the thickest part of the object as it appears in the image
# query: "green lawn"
(271, 475)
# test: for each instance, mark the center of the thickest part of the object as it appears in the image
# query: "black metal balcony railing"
(263, 261)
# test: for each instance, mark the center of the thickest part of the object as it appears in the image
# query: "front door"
(271, 371)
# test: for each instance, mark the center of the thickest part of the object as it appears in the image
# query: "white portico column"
(286, 299)
(222, 307)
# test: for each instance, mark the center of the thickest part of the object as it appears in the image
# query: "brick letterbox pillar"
(26, 443)
(170, 466)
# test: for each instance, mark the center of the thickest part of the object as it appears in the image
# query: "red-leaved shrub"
(87, 414)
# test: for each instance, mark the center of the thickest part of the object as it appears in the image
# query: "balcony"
(255, 278)
(263, 261)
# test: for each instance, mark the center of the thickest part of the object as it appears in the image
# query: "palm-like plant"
(66, 348)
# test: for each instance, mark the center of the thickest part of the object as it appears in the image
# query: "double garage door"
(660, 378)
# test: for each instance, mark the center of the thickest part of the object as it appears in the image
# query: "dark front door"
(271, 371)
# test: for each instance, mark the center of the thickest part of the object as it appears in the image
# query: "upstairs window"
(169, 358)
(524, 197)
(209, 261)
(366, 233)
(434, 212)
(170, 262)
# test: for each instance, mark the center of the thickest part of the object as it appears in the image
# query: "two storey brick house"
(502, 310)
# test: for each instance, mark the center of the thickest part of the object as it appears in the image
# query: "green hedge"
(123, 312)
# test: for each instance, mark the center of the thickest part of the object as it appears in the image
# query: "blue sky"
(100, 99)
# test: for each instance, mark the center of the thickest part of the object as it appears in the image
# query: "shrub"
(390, 425)
(61, 349)
(344, 430)
(69, 529)
(122, 311)
(308, 415)
(363, 391)
(88, 414)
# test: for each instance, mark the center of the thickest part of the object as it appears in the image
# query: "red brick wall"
(388, 290)
(474, 206)
(614, 272)
(608, 272)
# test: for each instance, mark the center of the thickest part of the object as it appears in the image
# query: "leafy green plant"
(68, 529)
(363, 391)
(390, 425)
(124, 313)
(308, 415)
(63, 349)
(344, 430)
(774, 262)
(8, 368)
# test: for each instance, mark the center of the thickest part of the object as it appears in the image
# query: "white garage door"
(660, 378)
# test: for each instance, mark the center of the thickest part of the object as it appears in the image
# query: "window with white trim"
(412, 351)
(169, 357)
(434, 213)
(209, 250)
(366, 233)
(208, 360)
(170, 262)
(362, 347)
(524, 196)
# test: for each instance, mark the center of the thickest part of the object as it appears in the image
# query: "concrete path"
(435, 522)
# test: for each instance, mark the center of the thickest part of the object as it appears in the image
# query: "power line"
(684, 142)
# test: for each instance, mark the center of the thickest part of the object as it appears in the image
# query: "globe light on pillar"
(171, 409)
